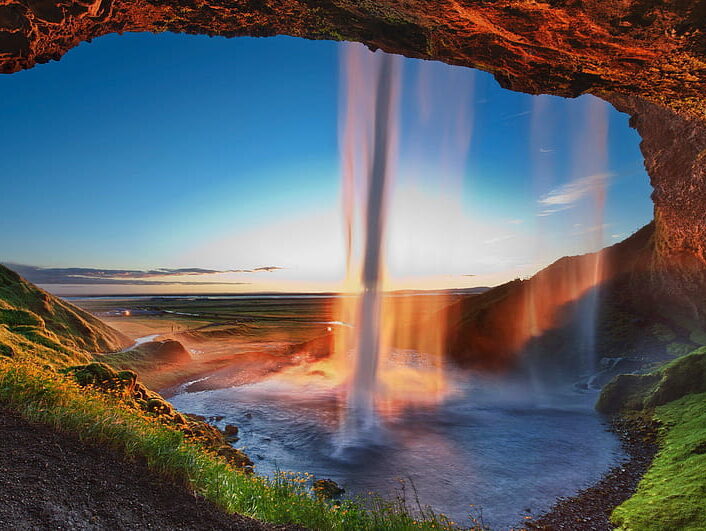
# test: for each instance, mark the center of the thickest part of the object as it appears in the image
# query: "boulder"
(327, 489)
(104, 378)
(236, 457)
(167, 351)
(633, 392)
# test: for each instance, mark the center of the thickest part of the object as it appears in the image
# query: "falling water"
(375, 150)
(593, 160)
(361, 399)
(393, 355)
(578, 281)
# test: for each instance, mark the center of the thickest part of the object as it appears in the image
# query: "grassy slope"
(54, 399)
(479, 330)
(672, 495)
(27, 310)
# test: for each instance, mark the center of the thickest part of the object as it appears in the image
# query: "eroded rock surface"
(566, 47)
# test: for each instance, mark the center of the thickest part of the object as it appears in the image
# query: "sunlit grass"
(42, 395)
(672, 494)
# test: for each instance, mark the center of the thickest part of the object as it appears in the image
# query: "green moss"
(634, 392)
(663, 332)
(677, 349)
(672, 495)
(698, 337)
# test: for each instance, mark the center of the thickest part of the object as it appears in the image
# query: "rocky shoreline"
(590, 509)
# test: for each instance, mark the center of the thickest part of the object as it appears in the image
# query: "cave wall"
(646, 57)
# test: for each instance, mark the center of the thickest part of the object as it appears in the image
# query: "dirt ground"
(54, 481)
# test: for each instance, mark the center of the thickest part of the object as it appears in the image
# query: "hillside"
(493, 328)
(31, 318)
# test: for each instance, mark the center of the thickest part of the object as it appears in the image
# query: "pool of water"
(495, 445)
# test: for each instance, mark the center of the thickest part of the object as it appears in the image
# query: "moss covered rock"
(632, 392)
(104, 377)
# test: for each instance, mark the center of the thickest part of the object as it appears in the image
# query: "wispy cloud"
(498, 239)
(513, 116)
(161, 276)
(567, 195)
(580, 230)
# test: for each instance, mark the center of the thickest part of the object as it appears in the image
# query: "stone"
(327, 489)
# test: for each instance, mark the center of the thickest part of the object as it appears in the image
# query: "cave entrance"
(179, 135)
(163, 169)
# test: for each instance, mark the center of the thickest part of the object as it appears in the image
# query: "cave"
(646, 59)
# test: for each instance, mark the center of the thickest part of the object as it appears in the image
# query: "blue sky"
(150, 151)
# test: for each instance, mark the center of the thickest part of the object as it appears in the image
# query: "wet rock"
(230, 430)
(237, 458)
(327, 489)
(590, 509)
(167, 351)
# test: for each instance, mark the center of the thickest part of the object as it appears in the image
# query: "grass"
(22, 303)
(672, 494)
(43, 395)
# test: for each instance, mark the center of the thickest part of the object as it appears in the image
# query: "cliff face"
(646, 48)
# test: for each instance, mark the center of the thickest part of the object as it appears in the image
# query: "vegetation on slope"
(56, 399)
(29, 311)
(672, 494)
(634, 392)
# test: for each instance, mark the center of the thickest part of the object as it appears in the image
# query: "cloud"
(567, 195)
(498, 239)
(513, 116)
(157, 277)
(546, 150)
(581, 230)
(550, 211)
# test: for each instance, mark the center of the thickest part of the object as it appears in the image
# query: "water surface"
(494, 445)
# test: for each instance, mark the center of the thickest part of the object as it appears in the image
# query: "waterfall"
(369, 147)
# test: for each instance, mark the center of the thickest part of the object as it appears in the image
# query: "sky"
(180, 164)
